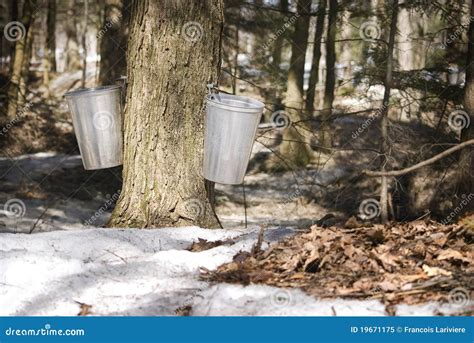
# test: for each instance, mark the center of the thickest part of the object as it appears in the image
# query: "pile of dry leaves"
(413, 262)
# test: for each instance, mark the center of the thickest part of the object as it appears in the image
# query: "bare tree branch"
(421, 164)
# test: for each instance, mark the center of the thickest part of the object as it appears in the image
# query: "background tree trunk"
(385, 144)
(466, 160)
(278, 45)
(113, 41)
(174, 51)
(13, 6)
(294, 149)
(51, 37)
(84, 44)
(20, 62)
(314, 77)
(73, 59)
(325, 140)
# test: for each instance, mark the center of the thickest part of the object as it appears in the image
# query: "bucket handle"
(213, 91)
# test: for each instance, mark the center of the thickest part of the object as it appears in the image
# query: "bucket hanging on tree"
(97, 119)
(231, 126)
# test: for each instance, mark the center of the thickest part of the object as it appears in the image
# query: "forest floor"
(65, 267)
(159, 272)
(317, 254)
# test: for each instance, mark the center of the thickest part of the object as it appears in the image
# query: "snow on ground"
(118, 272)
(148, 272)
(64, 264)
(258, 300)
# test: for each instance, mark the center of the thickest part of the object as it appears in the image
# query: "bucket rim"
(253, 105)
(92, 91)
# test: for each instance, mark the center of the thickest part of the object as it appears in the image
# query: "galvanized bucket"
(97, 120)
(231, 125)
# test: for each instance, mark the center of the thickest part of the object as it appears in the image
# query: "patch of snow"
(150, 272)
(118, 272)
(258, 300)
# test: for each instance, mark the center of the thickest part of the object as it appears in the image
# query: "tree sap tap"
(213, 90)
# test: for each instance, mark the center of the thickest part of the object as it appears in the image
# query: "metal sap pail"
(231, 126)
(97, 120)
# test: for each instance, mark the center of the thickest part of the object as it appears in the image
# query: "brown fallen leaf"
(435, 271)
(203, 244)
(450, 254)
(387, 286)
(329, 262)
(439, 238)
(376, 236)
(241, 256)
(298, 276)
(184, 310)
(419, 250)
(85, 309)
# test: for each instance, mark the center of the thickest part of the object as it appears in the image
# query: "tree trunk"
(51, 37)
(73, 59)
(174, 51)
(345, 51)
(314, 77)
(25, 69)
(20, 61)
(466, 160)
(385, 144)
(84, 44)
(13, 6)
(325, 140)
(236, 55)
(294, 149)
(278, 45)
(113, 41)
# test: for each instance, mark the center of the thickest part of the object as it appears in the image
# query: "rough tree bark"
(466, 159)
(385, 144)
(20, 61)
(294, 149)
(278, 45)
(13, 7)
(330, 86)
(236, 54)
(113, 41)
(314, 77)
(73, 59)
(51, 37)
(346, 48)
(84, 44)
(174, 51)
